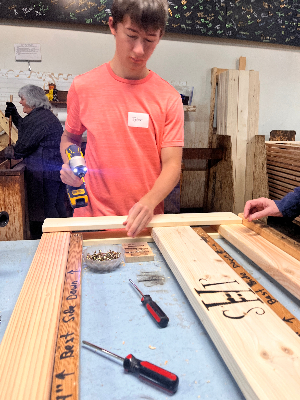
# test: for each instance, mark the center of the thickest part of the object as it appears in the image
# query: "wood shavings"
(166, 362)
(151, 347)
(123, 342)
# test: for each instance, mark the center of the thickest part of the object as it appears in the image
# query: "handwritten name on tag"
(138, 120)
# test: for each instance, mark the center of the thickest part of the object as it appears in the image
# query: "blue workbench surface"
(113, 317)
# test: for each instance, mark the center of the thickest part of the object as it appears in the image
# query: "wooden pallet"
(283, 167)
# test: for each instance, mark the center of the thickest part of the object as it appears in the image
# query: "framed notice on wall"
(28, 52)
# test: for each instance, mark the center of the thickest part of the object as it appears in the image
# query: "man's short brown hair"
(146, 14)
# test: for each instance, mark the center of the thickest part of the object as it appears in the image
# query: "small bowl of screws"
(105, 258)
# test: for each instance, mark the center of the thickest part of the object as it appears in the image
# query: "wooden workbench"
(113, 317)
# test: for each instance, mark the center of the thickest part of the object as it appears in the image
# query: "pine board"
(284, 268)
(95, 238)
(28, 346)
(65, 380)
(280, 240)
(261, 352)
(98, 223)
(284, 314)
(240, 159)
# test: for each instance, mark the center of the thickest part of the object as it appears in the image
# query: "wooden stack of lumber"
(283, 165)
(244, 162)
(237, 116)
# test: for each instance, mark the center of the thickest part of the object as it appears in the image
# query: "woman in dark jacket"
(39, 134)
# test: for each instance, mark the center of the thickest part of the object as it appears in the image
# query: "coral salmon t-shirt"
(128, 122)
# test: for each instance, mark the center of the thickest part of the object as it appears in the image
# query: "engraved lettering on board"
(229, 298)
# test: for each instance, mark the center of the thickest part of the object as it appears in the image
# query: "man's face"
(134, 46)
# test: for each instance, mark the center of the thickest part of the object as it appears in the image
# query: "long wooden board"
(261, 352)
(65, 380)
(28, 346)
(284, 268)
(280, 240)
(97, 223)
(114, 237)
(262, 292)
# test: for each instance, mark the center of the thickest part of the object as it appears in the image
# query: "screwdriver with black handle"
(154, 310)
(146, 371)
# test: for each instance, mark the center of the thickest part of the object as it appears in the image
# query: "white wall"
(178, 58)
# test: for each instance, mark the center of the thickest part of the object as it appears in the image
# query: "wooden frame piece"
(261, 352)
(262, 292)
(114, 237)
(280, 240)
(284, 268)
(98, 223)
(28, 346)
(65, 379)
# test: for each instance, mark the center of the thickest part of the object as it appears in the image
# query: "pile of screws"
(110, 255)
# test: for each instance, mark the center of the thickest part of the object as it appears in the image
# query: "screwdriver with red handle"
(155, 311)
(146, 371)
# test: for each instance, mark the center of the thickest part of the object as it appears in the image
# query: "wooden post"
(242, 63)
(10, 124)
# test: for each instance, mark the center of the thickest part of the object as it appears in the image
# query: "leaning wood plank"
(261, 352)
(28, 346)
(241, 168)
(96, 223)
(280, 240)
(284, 268)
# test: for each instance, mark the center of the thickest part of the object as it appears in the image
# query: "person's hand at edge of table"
(259, 208)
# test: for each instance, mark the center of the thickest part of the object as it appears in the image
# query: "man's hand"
(67, 176)
(138, 218)
(259, 208)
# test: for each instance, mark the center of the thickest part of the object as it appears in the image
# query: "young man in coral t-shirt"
(133, 119)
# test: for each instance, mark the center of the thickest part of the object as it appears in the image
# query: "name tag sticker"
(138, 120)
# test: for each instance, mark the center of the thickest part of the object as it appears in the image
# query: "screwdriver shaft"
(136, 288)
(103, 350)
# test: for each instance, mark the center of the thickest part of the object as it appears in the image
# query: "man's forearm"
(167, 180)
(67, 140)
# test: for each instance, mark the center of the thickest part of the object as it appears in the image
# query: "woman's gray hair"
(34, 96)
